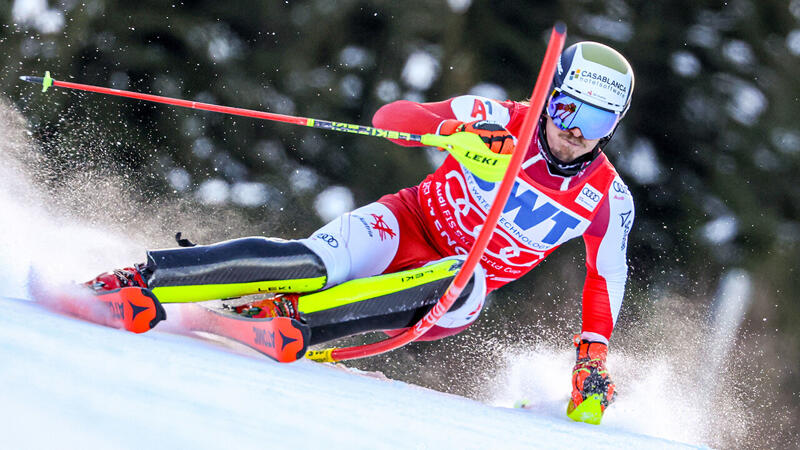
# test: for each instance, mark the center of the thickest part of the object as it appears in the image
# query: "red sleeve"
(597, 316)
(412, 117)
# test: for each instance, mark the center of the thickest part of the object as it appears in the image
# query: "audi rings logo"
(589, 197)
(620, 188)
(328, 239)
(591, 194)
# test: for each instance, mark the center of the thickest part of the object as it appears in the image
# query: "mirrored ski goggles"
(568, 112)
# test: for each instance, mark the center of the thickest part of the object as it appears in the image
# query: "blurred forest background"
(710, 147)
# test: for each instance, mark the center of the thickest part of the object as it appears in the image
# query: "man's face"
(567, 145)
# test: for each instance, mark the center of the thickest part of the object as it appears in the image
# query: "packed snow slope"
(71, 384)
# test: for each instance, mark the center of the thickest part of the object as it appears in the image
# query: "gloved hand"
(589, 376)
(495, 136)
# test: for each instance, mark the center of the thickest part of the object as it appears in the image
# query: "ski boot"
(118, 278)
(128, 303)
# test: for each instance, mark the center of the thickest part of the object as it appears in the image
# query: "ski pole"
(540, 91)
(467, 148)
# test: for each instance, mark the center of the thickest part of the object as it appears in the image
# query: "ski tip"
(589, 411)
(560, 27)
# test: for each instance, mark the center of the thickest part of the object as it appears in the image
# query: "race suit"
(442, 216)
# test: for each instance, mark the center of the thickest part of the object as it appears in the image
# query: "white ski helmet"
(592, 90)
(596, 84)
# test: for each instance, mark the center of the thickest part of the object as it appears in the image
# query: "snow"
(214, 191)
(685, 64)
(642, 162)
(70, 384)
(739, 53)
(489, 90)
(333, 202)
(459, 6)
(721, 230)
(36, 14)
(420, 70)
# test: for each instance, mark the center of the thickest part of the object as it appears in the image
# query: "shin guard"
(383, 302)
(232, 269)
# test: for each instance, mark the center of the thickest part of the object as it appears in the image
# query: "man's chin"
(565, 157)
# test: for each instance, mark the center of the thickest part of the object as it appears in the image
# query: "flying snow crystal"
(333, 202)
(421, 70)
(213, 192)
(685, 64)
(720, 230)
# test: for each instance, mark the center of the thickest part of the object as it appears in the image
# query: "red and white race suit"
(443, 215)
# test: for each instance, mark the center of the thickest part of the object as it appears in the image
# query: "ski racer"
(382, 266)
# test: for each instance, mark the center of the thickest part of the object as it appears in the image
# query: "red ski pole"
(540, 91)
(48, 81)
(463, 146)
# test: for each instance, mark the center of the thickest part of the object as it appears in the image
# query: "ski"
(280, 338)
(131, 308)
(138, 310)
